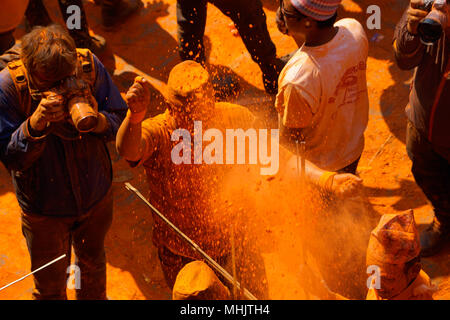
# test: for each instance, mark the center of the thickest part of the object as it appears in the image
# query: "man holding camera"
(422, 41)
(58, 108)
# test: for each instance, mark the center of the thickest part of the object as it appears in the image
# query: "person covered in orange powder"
(185, 193)
(188, 194)
(393, 252)
(394, 249)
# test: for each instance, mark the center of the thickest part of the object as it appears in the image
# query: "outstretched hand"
(347, 185)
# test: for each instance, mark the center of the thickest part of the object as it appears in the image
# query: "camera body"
(80, 104)
(430, 29)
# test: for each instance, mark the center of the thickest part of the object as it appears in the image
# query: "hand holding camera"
(416, 13)
(428, 19)
(50, 109)
(71, 100)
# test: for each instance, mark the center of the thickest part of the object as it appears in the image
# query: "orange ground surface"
(145, 45)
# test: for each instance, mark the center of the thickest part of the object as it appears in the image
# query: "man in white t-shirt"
(322, 97)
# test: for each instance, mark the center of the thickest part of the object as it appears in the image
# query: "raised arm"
(129, 141)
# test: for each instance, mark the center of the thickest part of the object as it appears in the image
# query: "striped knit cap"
(320, 10)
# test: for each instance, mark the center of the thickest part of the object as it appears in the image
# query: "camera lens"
(429, 30)
(83, 116)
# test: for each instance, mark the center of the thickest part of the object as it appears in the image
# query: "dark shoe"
(95, 43)
(270, 75)
(115, 12)
(224, 85)
(434, 238)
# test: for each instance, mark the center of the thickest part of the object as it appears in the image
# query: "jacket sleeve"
(408, 49)
(109, 100)
(18, 149)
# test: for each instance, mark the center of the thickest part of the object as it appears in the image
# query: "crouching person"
(58, 108)
(393, 253)
(394, 249)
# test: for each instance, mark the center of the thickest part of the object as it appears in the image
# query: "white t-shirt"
(329, 80)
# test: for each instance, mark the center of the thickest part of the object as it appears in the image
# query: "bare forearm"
(129, 141)
(313, 173)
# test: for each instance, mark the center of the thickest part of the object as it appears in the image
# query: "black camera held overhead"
(431, 28)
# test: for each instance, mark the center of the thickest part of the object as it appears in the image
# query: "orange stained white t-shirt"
(329, 81)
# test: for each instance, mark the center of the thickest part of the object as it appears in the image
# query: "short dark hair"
(49, 50)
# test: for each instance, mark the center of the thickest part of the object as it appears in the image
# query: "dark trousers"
(37, 15)
(431, 171)
(249, 18)
(252, 269)
(50, 237)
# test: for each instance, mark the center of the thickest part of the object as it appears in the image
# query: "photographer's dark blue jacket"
(52, 176)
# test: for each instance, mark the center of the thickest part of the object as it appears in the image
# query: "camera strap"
(86, 66)
(18, 74)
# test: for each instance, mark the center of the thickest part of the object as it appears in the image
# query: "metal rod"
(29, 274)
(380, 149)
(233, 262)
(193, 245)
(298, 156)
(303, 160)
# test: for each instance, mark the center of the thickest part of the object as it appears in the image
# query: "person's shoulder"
(157, 122)
(353, 27)
(349, 23)
(233, 112)
(98, 65)
(5, 78)
(7, 87)
(303, 70)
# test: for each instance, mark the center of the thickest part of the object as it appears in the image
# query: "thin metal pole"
(194, 246)
(298, 156)
(29, 274)
(233, 262)
(303, 161)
